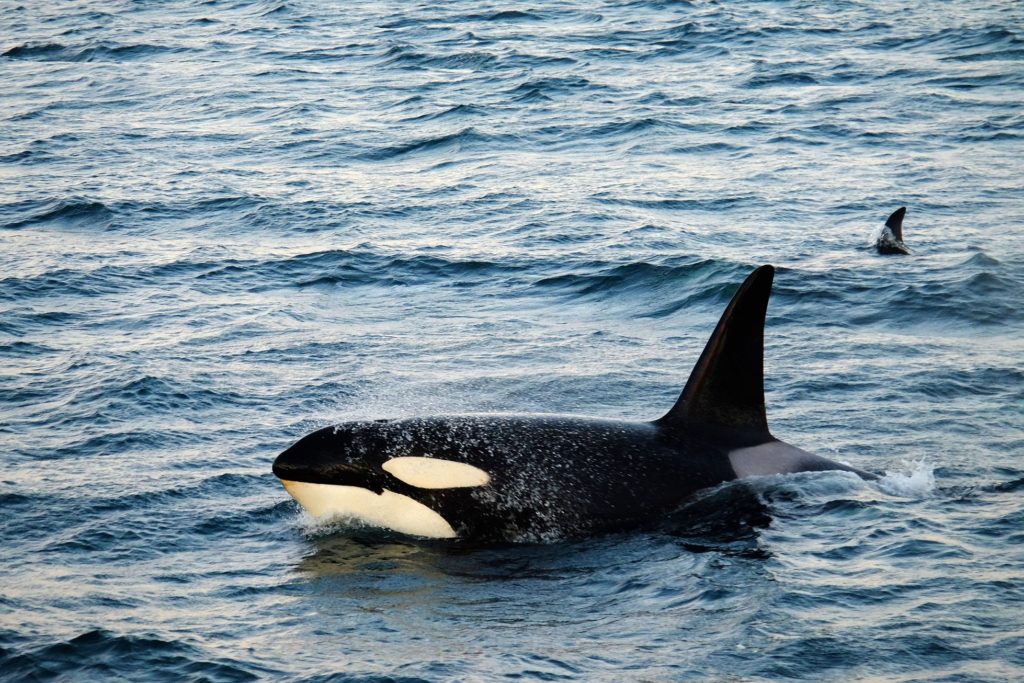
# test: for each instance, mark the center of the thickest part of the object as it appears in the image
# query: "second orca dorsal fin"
(726, 387)
(895, 222)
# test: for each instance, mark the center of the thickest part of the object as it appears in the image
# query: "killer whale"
(497, 477)
(891, 239)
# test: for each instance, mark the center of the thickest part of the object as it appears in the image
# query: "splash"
(315, 526)
(876, 234)
(917, 482)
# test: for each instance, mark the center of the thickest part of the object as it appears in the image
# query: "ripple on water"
(69, 213)
(90, 52)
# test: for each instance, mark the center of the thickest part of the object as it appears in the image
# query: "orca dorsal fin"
(726, 387)
(895, 222)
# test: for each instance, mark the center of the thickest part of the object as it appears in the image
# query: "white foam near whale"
(915, 479)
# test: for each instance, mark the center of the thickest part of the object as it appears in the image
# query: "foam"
(917, 482)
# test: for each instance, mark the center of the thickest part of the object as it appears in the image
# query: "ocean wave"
(958, 38)
(968, 81)
(707, 203)
(980, 298)
(404, 57)
(65, 281)
(1011, 486)
(24, 349)
(87, 421)
(155, 394)
(234, 524)
(976, 291)
(102, 52)
(1014, 54)
(26, 155)
(782, 78)
(114, 442)
(652, 290)
(99, 527)
(164, 521)
(101, 654)
(457, 111)
(502, 15)
(67, 213)
(218, 486)
(645, 128)
(356, 267)
(448, 142)
(555, 85)
(980, 381)
(10, 500)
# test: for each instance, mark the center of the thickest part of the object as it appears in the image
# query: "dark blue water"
(223, 224)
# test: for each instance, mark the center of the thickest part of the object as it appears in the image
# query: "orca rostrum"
(536, 477)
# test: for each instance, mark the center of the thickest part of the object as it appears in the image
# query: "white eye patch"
(432, 473)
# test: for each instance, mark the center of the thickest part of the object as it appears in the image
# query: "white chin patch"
(388, 509)
(433, 473)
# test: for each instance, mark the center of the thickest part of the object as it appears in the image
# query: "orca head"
(342, 455)
(372, 473)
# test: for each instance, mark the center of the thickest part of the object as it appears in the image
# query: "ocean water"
(224, 224)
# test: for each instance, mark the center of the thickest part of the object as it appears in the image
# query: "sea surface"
(224, 224)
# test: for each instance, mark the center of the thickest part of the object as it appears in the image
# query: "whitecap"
(917, 482)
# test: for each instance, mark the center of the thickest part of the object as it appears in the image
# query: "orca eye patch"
(433, 473)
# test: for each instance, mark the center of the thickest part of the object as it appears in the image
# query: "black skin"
(556, 476)
(885, 246)
(551, 476)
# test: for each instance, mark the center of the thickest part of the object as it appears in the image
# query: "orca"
(497, 477)
(891, 239)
